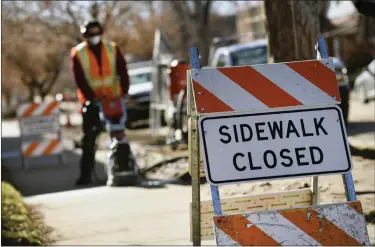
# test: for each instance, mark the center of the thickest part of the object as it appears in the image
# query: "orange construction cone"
(68, 123)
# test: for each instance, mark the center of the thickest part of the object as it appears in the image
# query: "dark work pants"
(92, 127)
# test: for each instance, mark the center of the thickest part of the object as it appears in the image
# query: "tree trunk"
(203, 30)
(185, 41)
(6, 93)
(31, 93)
(42, 89)
(181, 15)
(42, 94)
(198, 18)
(8, 97)
(204, 46)
(366, 30)
(292, 29)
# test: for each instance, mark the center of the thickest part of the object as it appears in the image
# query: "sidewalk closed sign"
(274, 144)
(38, 125)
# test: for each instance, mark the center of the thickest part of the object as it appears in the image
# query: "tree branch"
(206, 12)
(71, 13)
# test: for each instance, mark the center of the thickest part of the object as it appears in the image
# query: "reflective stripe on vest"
(104, 77)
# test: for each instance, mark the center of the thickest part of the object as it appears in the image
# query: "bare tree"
(37, 35)
(366, 30)
(38, 69)
(142, 36)
(293, 28)
(10, 81)
(193, 19)
(114, 15)
(33, 48)
(181, 31)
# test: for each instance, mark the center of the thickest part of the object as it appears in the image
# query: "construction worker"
(99, 70)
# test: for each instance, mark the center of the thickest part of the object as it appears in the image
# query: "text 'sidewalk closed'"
(265, 122)
(274, 144)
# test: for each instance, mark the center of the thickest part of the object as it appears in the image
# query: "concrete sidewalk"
(122, 216)
(115, 216)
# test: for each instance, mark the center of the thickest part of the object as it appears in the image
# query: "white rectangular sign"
(274, 144)
(37, 125)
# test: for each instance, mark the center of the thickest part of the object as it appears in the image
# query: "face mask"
(95, 40)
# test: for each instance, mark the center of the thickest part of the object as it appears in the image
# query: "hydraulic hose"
(143, 171)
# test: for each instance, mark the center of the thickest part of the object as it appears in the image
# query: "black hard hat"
(85, 28)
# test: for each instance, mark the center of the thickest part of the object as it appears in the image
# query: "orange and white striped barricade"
(40, 130)
(266, 122)
(340, 224)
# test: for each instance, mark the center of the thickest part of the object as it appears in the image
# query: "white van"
(140, 88)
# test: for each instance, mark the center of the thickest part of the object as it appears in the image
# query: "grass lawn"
(21, 224)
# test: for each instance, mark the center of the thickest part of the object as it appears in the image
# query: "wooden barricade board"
(257, 91)
(42, 148)
(264, 86)
(38, 109)
(39, 121)
(253, 203)
(230, 89)
(341, 224)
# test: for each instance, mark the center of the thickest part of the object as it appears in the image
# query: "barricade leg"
(20, 144)
(216, 199)
(195, 180)
(349, 187)
(23, 161)
(61, 159)
(315, 190)
(26, 163)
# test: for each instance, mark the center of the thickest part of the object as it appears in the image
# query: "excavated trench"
(159, 164)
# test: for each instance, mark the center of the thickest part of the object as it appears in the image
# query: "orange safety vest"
(107, 83)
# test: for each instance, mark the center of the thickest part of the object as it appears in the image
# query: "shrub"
(18, 224)
(370, 217)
